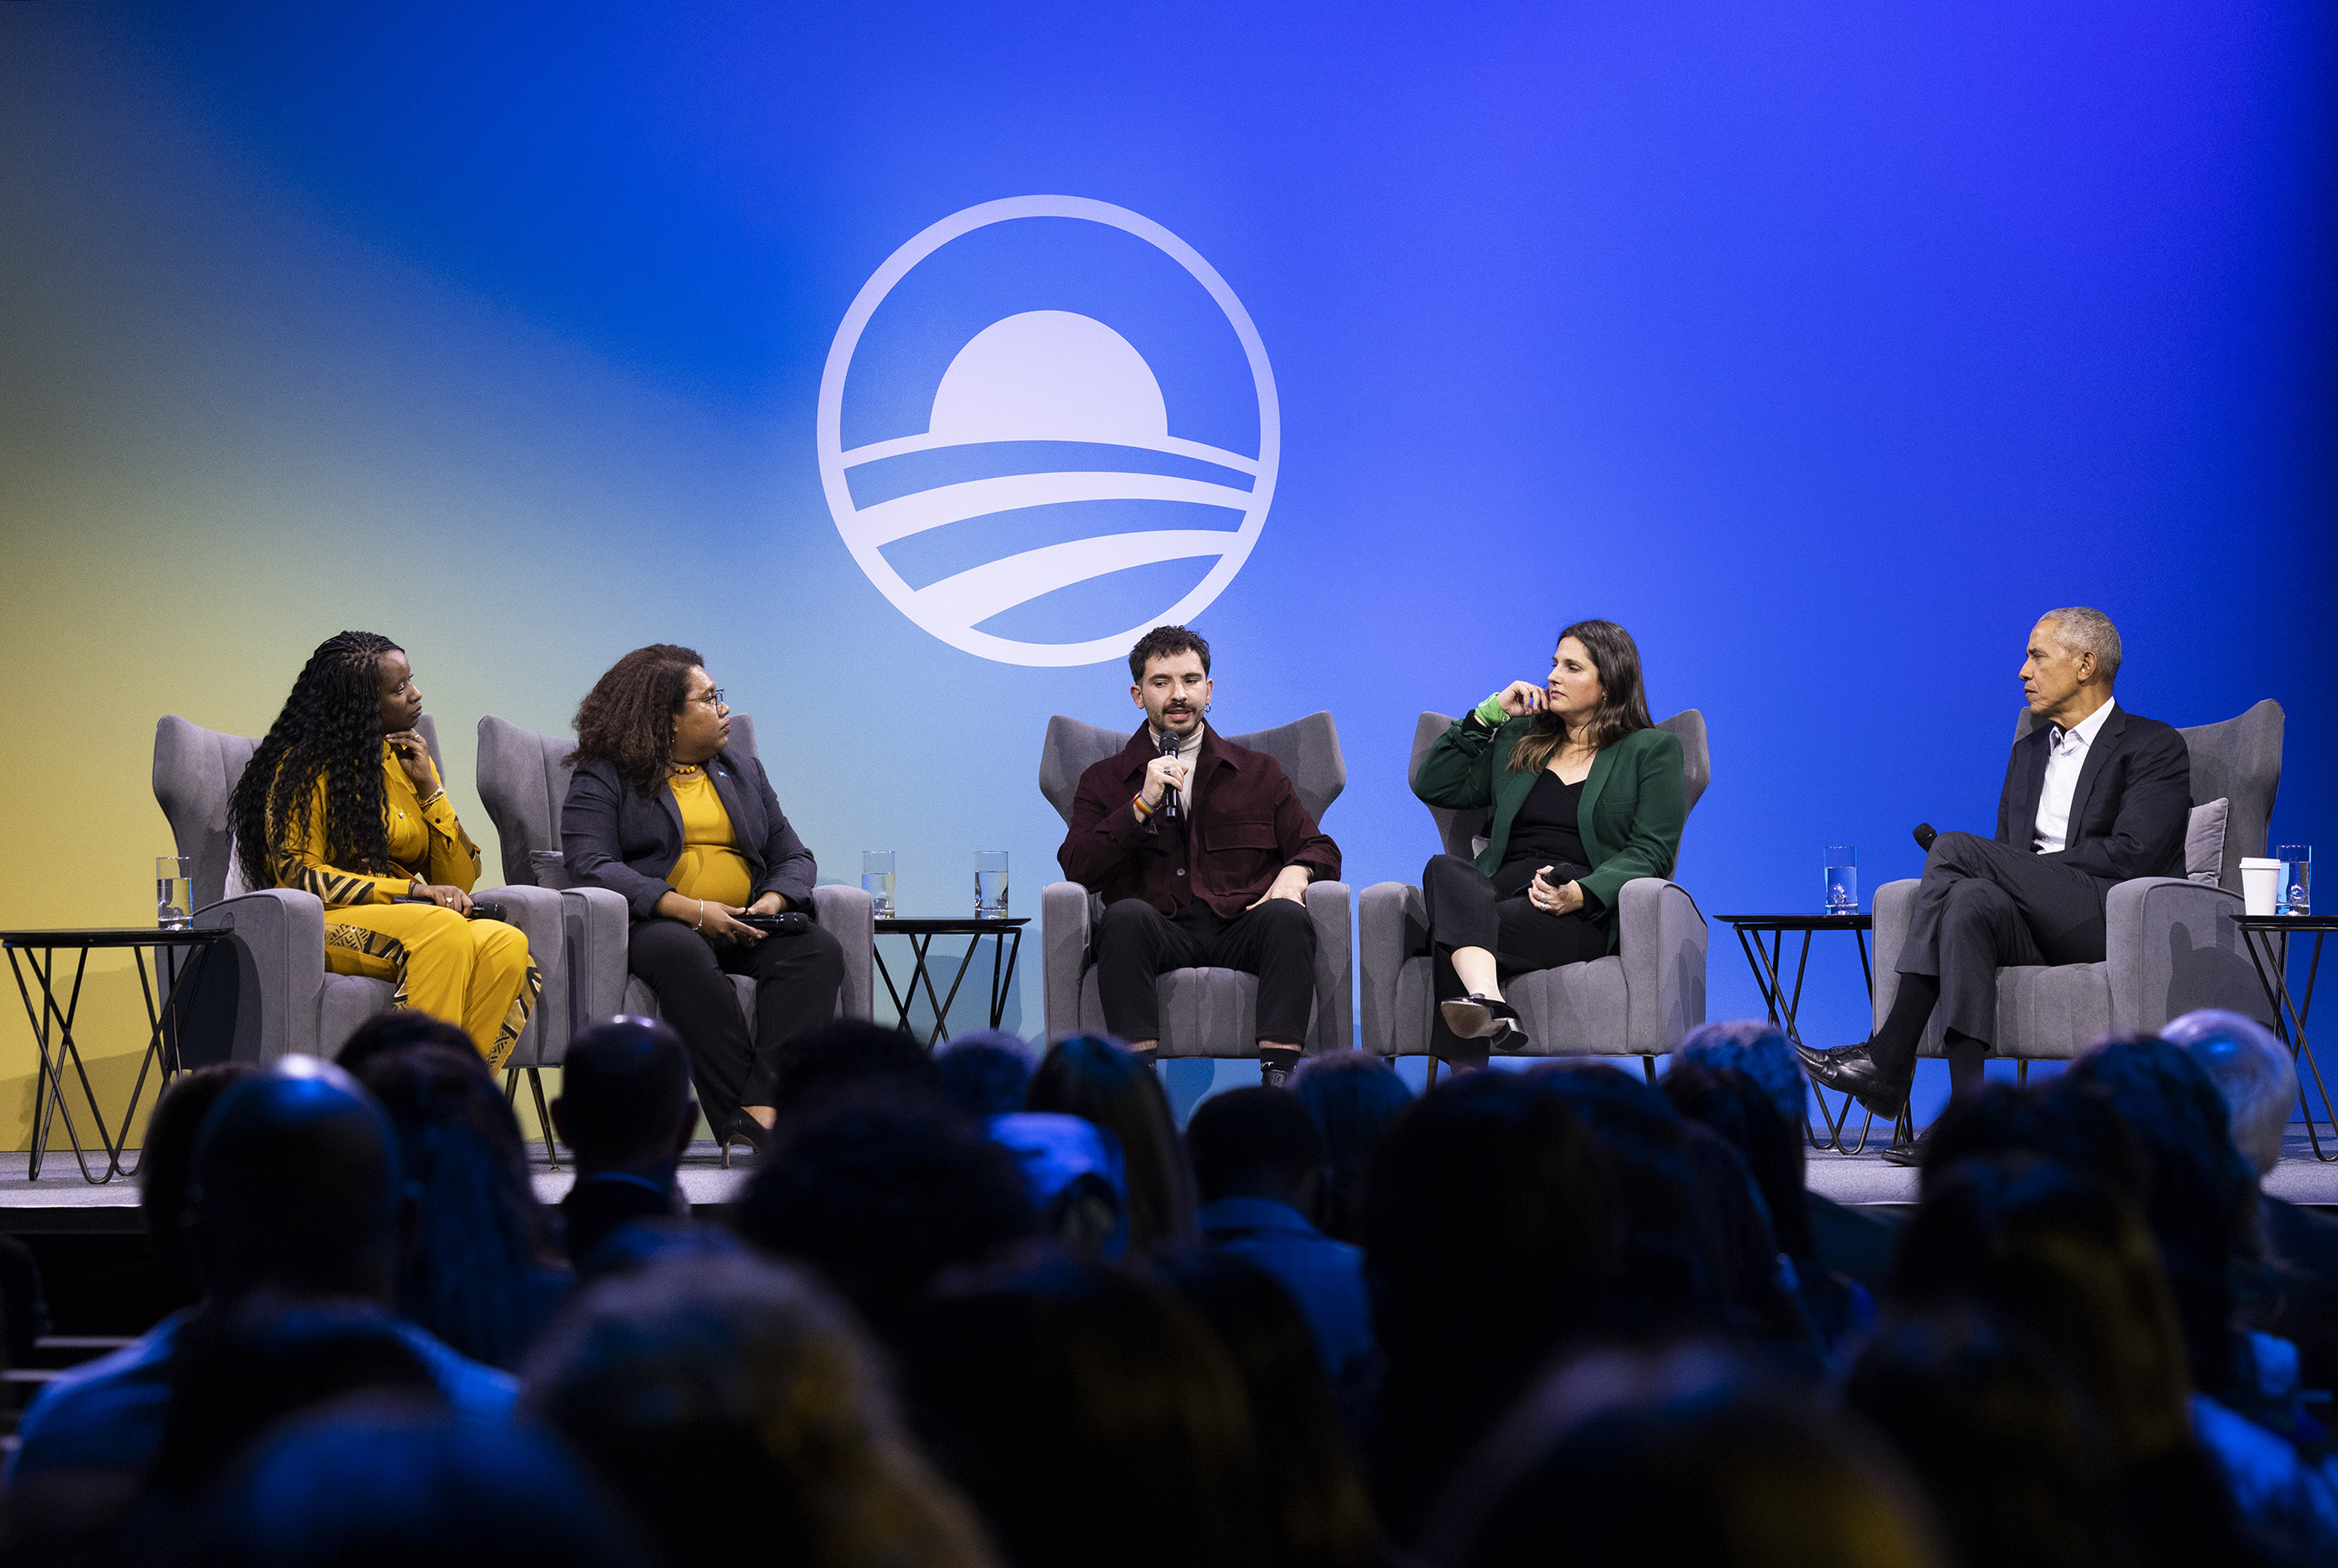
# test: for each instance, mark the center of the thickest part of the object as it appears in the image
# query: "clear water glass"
(876, 879)
(2293, 894)
(1841, 879)
(174, 892)
(990, 883)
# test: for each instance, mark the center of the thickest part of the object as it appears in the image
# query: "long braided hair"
(332, 724)
(627, 719)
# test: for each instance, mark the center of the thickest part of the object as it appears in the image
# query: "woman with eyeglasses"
(342, 799)
(662, 812)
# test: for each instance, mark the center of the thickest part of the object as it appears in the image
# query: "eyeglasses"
(711, 698)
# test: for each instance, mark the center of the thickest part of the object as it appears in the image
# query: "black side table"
(178, 961)
(1784, 1005)
(2267, 936)
(1006, 946)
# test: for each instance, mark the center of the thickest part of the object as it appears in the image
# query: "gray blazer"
(614, 837)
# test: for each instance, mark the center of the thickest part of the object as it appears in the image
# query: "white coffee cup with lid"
(2260, 881)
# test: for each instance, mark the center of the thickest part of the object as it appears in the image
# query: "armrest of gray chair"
(279, 941)
(607, 925)
(1894, 908)
(1064, 953)
(1332, 906)
(2173, 949)
(1662, 941)
(1388, 916)
(850, 915)
(541, 915)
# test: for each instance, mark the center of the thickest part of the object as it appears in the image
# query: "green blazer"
(1634, 803)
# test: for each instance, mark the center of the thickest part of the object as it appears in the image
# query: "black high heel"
(1486, 1018)
(745, 1129)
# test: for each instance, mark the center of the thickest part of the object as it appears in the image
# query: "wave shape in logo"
(1052, 377)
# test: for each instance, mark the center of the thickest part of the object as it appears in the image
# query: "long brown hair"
(1623, 706)
(627, 719)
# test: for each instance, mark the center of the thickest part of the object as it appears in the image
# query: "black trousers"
(1464, 911)
(1138, 945)
(797, 979)
(1982, 905)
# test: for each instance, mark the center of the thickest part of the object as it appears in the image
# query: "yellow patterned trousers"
(473, 973)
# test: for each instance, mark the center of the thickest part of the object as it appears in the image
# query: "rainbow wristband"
(1144, 812)
(1491, 713)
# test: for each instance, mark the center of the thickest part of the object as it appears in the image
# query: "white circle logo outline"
(829, 429)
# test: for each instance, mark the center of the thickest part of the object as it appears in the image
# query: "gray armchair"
(523, 779)
(1203, 1012)
(2171, 944)
(287, 1001)
(1634, 1002)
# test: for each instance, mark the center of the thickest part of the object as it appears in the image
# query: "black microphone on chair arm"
(1168, 791)
(1924, 837)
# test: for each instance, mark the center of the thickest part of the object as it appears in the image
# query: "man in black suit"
(2093, 795)
(624, 1108)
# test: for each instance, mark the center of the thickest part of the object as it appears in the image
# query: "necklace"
(685, 769)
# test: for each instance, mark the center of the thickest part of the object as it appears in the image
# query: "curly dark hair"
(332, 724)
(1160, 642)
(627, 719)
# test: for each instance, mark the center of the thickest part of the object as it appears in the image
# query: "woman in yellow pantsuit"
(342, 800)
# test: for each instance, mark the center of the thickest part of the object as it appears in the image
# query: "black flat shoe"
(1852, 1071)
(1486, 1018)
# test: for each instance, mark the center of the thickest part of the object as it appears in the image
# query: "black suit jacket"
(2129, 811)
(616, 837)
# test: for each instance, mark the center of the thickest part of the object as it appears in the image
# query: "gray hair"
(2084, 631)
(1756, 1048)
(2253, 1071)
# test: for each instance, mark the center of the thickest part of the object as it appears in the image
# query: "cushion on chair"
(2203, 842)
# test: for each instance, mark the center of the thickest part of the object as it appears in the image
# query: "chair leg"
(2021, 1073)
(1432, 1071)
(1648, 1066)
(543, 1116)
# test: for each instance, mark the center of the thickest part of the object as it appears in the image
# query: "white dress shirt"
(2066, 756)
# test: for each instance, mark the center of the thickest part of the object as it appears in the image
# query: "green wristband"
(1491, 713)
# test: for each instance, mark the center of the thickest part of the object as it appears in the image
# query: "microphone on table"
(1168, 791)
(1924, 837)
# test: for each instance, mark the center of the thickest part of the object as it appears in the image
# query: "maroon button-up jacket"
(1244, 824)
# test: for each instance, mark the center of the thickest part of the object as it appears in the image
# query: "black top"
(1546, 832)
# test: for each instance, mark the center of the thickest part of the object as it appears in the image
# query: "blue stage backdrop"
(909, 360)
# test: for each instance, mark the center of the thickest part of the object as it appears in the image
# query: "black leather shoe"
(1486, 1018)
(1907, 1154)
(1852, 1071)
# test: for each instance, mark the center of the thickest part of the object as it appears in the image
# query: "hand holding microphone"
(1162, 777)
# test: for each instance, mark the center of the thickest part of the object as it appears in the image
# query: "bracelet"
(702, 917)
(1490, 712)
(1144, 812)
(436, 796)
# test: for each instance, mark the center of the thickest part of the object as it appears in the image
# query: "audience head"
(1733, 1105)
(627, 719)
(1314, 1497)
(1091, 1416)
(1489, 1229)
(2065, 1257)
(383, 1482)
(237, 1371)
(1757, 1048)
(353, 688)
(395, 1029)
(1072, 1175)
(466, 1274)
(295, 1189)
(2253, 1071)
(624, 1095)
(853, 1054)
(1255, 1142)
(1088, 1076)
(2199, 1196)
(733, 1404)
(1620, 1459)
(1353, 1095)
(2067, 1121)
(881, 1195)
(166, 1163)
(983, 1073)
(2004, 1442)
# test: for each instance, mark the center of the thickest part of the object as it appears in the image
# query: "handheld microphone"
(1924, 837)
(1169, 792)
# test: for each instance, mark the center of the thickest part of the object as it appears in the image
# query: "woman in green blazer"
(1587, 793)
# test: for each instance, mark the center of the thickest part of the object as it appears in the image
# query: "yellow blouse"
(710, 867)
(426, 842)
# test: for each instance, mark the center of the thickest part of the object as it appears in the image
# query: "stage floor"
(60, 1200)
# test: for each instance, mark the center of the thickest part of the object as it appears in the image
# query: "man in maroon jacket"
(1202, 853)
